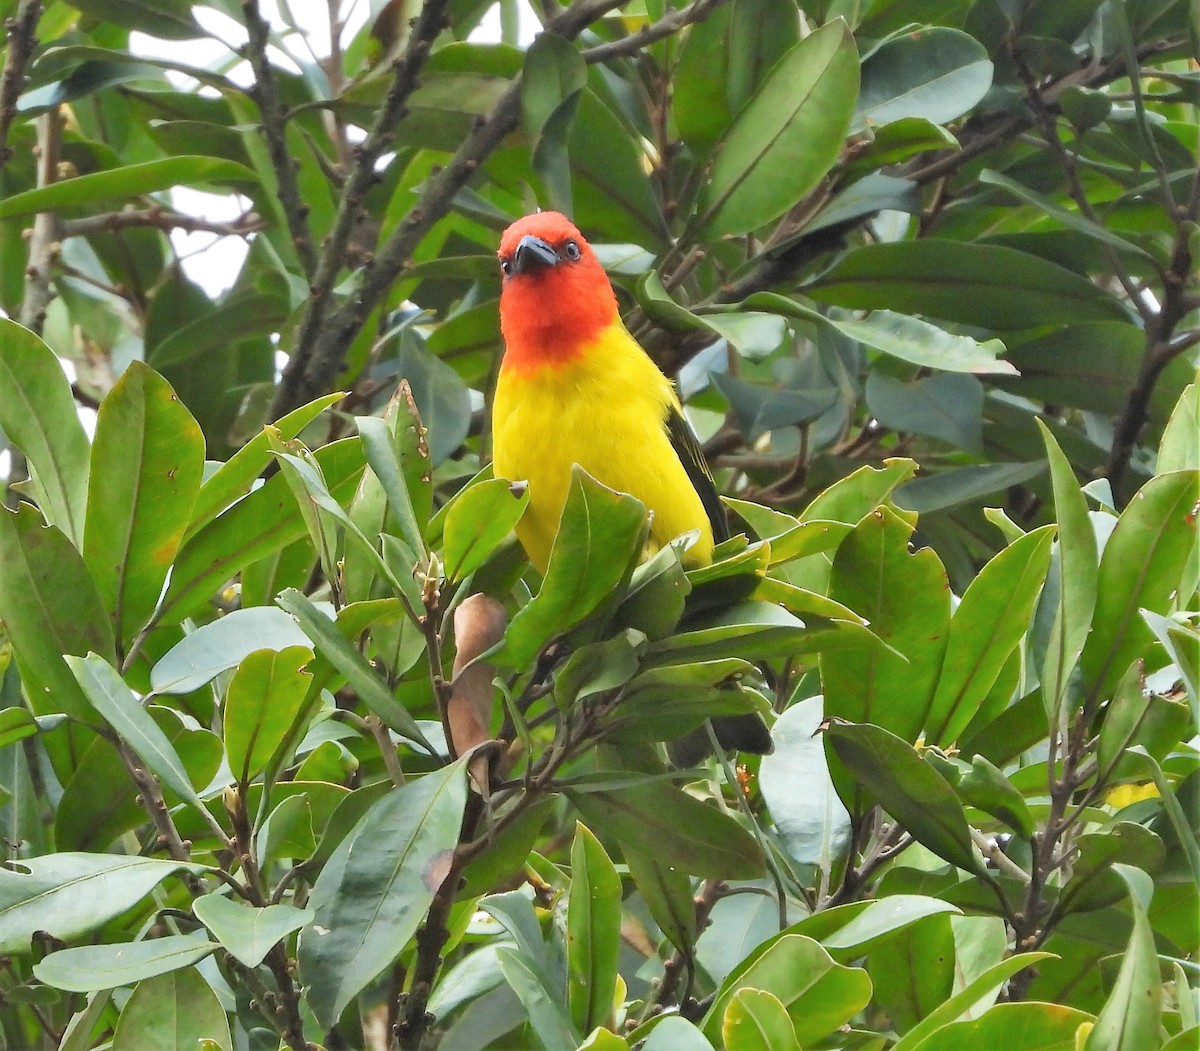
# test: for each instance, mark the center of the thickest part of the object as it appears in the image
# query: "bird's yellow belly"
(604, 411)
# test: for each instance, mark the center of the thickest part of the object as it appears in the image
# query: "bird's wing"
(688, 450)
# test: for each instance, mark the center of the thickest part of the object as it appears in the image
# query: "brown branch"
(159, 219)
(1162, 346)
(22, 39)
(405, 73)
(1048, 125)
(317, 358)
(432, 937)
(44, 238)
(274, 127)
(652, 32)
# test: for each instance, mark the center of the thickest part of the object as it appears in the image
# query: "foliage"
(295, 749)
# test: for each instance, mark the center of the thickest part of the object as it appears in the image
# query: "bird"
(575, 387)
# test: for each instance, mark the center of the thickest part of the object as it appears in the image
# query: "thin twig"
(22, 39)
(274, 127)
(44, 239)
(651, 32)
(159, 219)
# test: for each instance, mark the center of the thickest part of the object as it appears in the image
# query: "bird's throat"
(555, 320)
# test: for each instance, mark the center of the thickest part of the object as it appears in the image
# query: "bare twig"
(652, 31)
(44, 239)
(22, 38)
(159, 219)
(274, 126)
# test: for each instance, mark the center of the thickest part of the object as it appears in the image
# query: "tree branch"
(274, 126)
(22, 39)
(160, 219)
(651, 32)
(1162, 347)
(44, 238)
(318, 356)
(406, 71)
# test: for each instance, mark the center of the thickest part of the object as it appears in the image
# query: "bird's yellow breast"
(605, 409)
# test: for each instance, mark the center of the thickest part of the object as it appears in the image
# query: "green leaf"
(598, 536)
(262, 523)
(980, 988)
(859, 492)
(1071, 220)
(1014, 1027)
(124, 713)
(910, 790)
(235, 478)
(1142, 567)
(610, 189)
(263, 698)
(477, 521)
(796, 786)
(985, 285)
(593, 931)
(1179, 450)
(1094, 882)
(984, 786)
(963, 484)
(351, 663)
(222, 644)
(18, 723)
(169, 19)
(696, 838)
(937, 74)
(786, 137)
(987, 626)
(248, 933)
(1076, 549)
(905, 597)
(147, 459)
(756, 1020)
(377, 886)
(441, 398)
(1130, 1017)
(71, 894)
(547, 1014)
(38, 414)
(914, 970)
(818, 994)
(174, 1010)
(553, 80)
(49, 607)
(238, 318)
(132, 180)
(724, 60)
(384, 446)
(949, 407)
(667, 891)
(672, 1033)
(90, 967)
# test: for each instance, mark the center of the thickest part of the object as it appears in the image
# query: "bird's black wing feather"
(692, 458)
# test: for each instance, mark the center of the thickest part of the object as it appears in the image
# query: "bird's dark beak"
(532, 253)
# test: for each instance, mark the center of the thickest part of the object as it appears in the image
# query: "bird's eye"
(571, 250)
(505, 266)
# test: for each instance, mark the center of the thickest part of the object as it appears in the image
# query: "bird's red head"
(556, 296)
